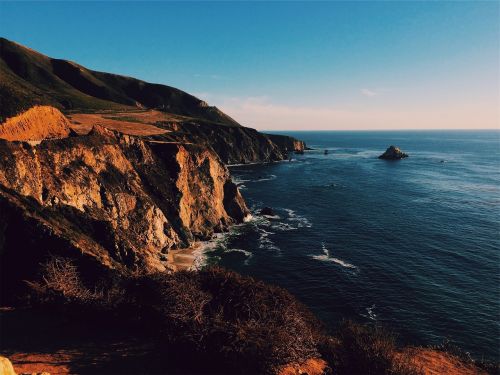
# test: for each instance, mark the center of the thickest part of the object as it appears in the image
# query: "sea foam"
(326, 257)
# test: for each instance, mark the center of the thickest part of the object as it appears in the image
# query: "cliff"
(234, 145)
(287, 144)
(29, 78)
(111, 200)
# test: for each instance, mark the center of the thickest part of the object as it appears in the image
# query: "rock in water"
(393, 153)
(267, 211)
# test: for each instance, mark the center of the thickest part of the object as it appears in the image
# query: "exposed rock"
(6, 367)
(72, 87)
(288, 144)
(37, 123)
(393, 153)
(110, 199)
(267, 211)
(233, 144)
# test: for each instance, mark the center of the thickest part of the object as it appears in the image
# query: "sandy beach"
(183, 259)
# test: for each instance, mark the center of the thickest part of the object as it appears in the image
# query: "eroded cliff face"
(287, 144)
(111, 199)
(234, 145)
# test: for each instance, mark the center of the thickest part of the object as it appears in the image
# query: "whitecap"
(272, 217)
(248, 254)
(283, 226)
(326, 257)
(265, 242)
(370, 314)
(268, 178)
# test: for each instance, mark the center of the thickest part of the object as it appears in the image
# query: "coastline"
(184, 259)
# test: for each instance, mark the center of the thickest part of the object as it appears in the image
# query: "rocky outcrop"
(233, 144)
(6, 367)
(109, 199)
(288, 144)
(267, 211)
(37, 123)
(393, 153)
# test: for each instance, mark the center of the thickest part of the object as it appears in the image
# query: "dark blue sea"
(413, 245)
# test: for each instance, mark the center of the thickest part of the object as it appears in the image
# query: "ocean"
(412, 245)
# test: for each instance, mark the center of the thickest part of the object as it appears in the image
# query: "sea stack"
(393, 153)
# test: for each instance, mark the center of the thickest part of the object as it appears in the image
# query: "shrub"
(233, 321)
(363, 349)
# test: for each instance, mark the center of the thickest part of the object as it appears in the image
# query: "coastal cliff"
(287, 144)
(234, 145)
(29, 78)
(111, 199)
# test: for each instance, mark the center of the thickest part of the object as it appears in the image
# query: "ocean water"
(412, 245)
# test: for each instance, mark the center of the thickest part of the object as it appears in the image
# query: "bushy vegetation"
(217, 321)
(364, 349)
(216, 318)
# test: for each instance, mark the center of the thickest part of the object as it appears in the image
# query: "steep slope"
(234, 145)
(110, 200)
(29, 78)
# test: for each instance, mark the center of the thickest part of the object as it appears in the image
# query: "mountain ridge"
(68, 85)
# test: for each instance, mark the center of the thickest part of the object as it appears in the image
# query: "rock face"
(6, 367)
(37, 123)
(108, 199)
(234, 145)
(288, 144)
(393, 153)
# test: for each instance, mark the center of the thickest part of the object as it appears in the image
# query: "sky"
(290, 65)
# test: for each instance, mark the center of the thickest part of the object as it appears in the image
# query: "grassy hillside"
(28, 78)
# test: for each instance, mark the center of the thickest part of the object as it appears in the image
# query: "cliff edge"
(111, 200)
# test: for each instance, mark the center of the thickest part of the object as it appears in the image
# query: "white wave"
(268, 178)
(248, 254)
(272, 217)
(249, 218)
(245, 164)
(265, 242)
(326, 257)
(245, 252)
(238, 180)
(369, 313)
(283, 226)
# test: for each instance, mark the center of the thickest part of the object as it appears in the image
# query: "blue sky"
(290, 65)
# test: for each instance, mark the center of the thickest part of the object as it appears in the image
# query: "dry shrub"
(362, 349)
(230, 321)
(60, 283)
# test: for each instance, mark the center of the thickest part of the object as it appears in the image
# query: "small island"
(393, 153)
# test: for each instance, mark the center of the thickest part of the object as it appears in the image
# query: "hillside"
(128, 105)
(30, 78)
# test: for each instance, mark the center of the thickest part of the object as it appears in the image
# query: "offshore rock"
(393, 153)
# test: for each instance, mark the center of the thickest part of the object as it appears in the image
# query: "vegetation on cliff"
(215, 321)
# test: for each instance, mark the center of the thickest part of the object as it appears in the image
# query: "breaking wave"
(326, 257)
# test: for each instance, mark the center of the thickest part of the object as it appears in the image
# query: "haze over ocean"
(412, 244)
